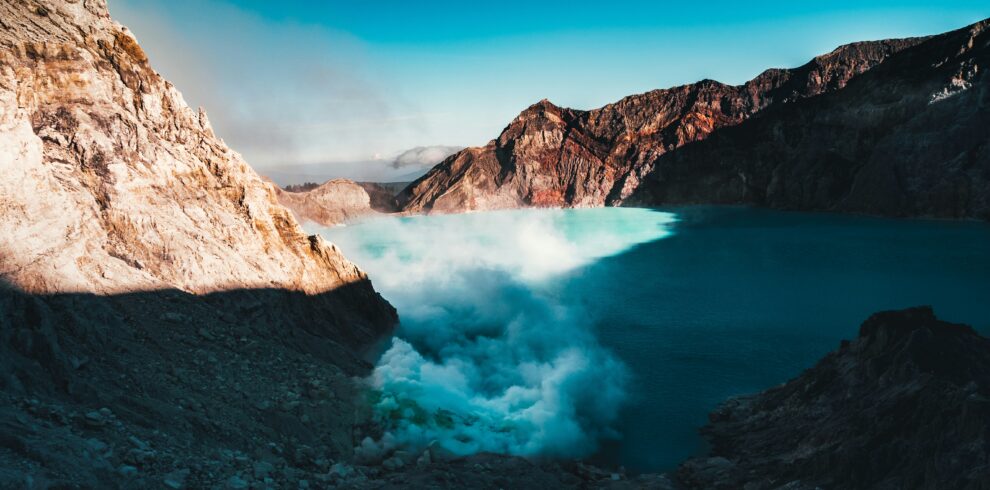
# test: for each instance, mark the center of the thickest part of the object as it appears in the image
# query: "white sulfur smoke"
(489, 355)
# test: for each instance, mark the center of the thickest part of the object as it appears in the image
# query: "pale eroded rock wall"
(330, 203)
(109, 182)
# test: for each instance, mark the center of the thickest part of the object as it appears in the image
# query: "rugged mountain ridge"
(554, 156)
(907, 138)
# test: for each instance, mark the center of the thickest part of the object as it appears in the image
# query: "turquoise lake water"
(611, 333)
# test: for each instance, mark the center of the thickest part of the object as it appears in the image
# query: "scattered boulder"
(393, 463)
(262, 469)
(235, 482)
(98, 418)
(177, 479)
(424, 459)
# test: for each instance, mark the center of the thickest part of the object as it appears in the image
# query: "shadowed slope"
(182, 380)
(908, 138)
(903, 406)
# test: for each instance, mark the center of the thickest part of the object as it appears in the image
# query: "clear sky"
(292, 81)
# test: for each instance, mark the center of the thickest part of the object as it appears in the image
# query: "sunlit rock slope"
(164, 322)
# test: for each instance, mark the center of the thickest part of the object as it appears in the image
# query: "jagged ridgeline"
(157, 304)
(894, 127)
(555, 156)
(906, 138)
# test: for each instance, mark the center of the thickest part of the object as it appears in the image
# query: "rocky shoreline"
(166, 323)
(191, 400)
(904, 405)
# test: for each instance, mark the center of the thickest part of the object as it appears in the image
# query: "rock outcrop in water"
(907, 138)
(163, 320)
(554, 156)
(906, 405)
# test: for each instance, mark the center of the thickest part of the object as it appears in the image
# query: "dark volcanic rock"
(126, 391)
(904, 406)
(907, 138)
(382, 195)
(492, 471)
(553, 156)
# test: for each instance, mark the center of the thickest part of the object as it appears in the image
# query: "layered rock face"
(333, 202)
(907, 138)
(163, 320)
(112, 184)
(903, 406)
(553, 156)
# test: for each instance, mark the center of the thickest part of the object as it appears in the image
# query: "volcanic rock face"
(163, 320)
(333, 202)
(907, 138)
(904, 406)
(112, 184)
(553, 156)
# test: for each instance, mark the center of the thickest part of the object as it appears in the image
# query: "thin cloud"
(278, 92)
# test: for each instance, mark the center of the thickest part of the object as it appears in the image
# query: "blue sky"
(294, 82)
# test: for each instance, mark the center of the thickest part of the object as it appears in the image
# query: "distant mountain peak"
(554, 156)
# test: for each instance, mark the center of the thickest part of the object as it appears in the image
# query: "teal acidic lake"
(611, 333)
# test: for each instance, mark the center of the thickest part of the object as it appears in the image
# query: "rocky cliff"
(112, 184)
(554, 156)
(903, 406)
(907, 138)
(163, 320)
